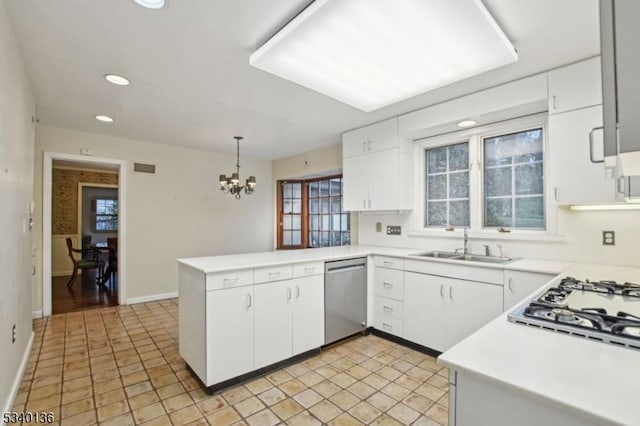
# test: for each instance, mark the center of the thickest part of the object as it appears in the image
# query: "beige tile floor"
(121, 366)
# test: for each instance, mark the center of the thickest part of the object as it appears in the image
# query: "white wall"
(16, 189)
(582, 242)
(177, 212)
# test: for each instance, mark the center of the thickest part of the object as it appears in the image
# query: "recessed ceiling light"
(370, 54)
(467, 123)
(104, 118)
(117, 79)
(151, 4)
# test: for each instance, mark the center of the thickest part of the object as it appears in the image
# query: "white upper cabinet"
(377, 137)
(375, 162)
(576, 179)
(575, 86)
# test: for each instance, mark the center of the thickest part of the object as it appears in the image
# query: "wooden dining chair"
(93, 262)
(112, 245)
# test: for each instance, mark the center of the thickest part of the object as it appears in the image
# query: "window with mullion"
(514, 180)
(447, 186)
(328, 223)
(291, 220)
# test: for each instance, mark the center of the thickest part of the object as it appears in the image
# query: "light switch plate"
(608, 238)
(394, 230)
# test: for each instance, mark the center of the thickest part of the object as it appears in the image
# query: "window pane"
(336, 186)
(313, 189)
(287, 190)
(313, 205)
(336, 204)
(528, 146)
(324, 239)
(437, 160)
(287, 206)
(497, 151)
(286, 238)
(437, 213)
(344, 223)
(459, 213)
(324, 205)
(296, 238)
(335, 238)
(324, 188)
(530, 212)
(528, 179)
(437, 187)
(324, 222)
(498, 212)
(314, 239)
(498, 182)
(297, 206)
(296, 222)
(286, 222)
(314, 222)
(459, 185)
(346, 238)
(459, 157)
(297, 190)
(335, 222)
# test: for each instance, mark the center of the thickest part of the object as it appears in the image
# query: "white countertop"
(255, 260)
(593, 378)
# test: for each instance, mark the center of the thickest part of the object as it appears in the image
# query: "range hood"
(621, 93)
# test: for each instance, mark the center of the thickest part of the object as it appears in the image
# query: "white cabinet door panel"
(424, 310)
(469, 306)
(229, 333)
(355, 174)
(575, 86)
(272, 322)
(384, 186)
(308, 313)
(576, 178)
(382, 135)
(519, 285)
(355, 142)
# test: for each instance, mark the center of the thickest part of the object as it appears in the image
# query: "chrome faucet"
(465, 250)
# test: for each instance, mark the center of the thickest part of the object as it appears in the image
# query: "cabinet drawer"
(228, 279)
(307, 269)
(389, 262)
(390, 325)
(388, 308)
(272, 273)
(389, 283)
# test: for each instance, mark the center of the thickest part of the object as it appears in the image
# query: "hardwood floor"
(83, 294)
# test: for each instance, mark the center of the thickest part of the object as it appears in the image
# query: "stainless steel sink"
(468, 258)
(484, 259)
(437, 254)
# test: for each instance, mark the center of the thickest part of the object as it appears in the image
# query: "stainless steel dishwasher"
(345, 296)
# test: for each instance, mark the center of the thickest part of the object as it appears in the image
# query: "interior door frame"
(47, 186)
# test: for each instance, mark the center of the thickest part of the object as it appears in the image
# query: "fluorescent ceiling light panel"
(151, 4)
(373, 53)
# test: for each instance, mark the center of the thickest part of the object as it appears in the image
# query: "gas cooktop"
(604, 311)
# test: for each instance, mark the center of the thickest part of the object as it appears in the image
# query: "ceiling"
(192, 85)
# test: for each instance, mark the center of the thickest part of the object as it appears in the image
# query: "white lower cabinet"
(308, 314)
(273, 322)
(229, 333)
(439, 312)
(518, 285)
(289, 318)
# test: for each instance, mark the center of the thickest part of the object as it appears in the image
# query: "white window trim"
(475, 136)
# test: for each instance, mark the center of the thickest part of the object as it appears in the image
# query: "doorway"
(84, 201)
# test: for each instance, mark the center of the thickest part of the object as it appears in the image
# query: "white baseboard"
(17, 381)
(36, 314)
(152, 298)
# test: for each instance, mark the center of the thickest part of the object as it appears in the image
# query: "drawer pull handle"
(274, 274)
(248, 300)
(510, 284)
(451, 292)
(309, 270)
(387, 263)
(441, 290)
(387, 308)
(230, 280)
(288, 293)
(386, 325)
(297, 291)
(387, 285)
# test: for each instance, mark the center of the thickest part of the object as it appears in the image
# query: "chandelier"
(231, 184)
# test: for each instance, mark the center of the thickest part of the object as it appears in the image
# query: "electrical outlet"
(378, 226)
(394, 230)
(608, 238)
(13, 334)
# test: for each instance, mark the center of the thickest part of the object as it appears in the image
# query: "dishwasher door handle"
(345, 269)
